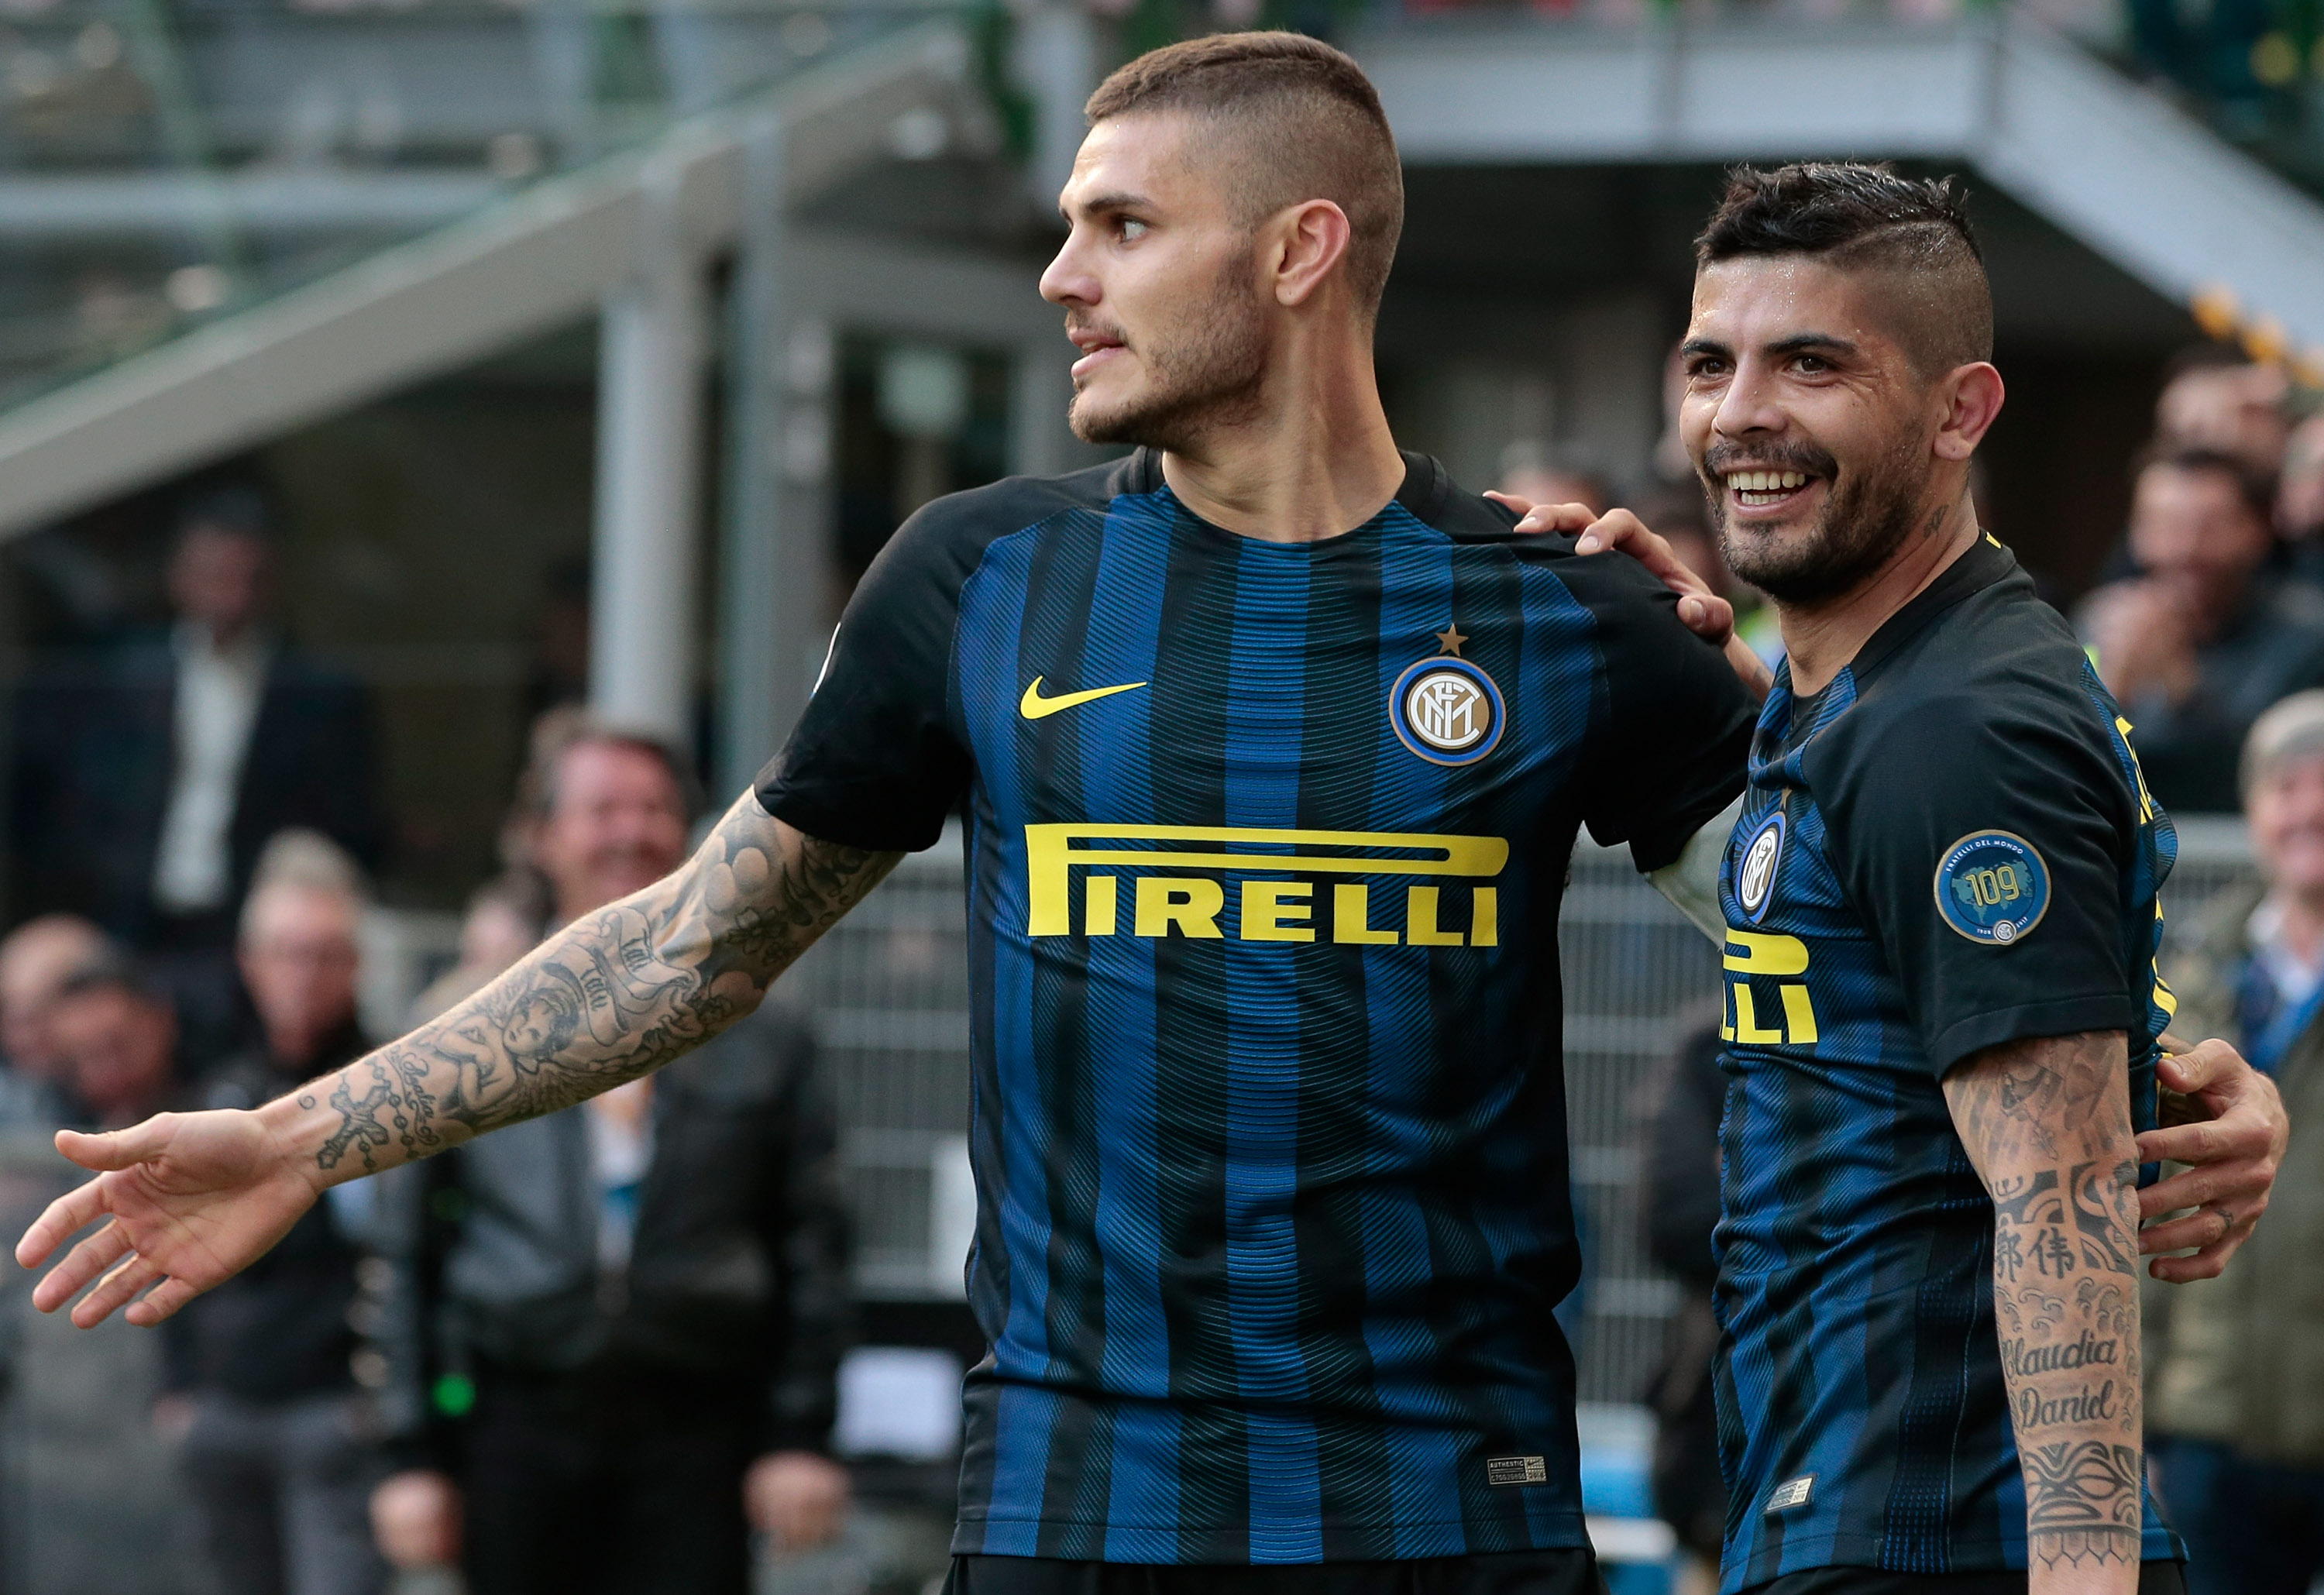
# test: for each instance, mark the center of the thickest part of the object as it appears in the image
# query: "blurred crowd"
(595, 1352)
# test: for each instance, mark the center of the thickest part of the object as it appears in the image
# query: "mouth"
(1097, 349)
(1768, 492)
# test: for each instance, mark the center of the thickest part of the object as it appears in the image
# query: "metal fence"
(889, 991)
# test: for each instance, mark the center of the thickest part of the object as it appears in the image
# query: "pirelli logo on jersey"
(1791, 1018)
(1198, 882)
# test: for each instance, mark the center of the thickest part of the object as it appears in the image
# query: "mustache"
(1112, 331)
(1804, 458)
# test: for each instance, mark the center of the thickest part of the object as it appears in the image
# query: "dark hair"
(2254, 488)
(560, 730)
(242, 511)
(113, 970)
(1863, 217)
(1306, 123)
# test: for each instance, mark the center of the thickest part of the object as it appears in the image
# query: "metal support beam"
(642, 644)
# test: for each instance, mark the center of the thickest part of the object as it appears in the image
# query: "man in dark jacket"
(616, 1331)
(277, 1436)
(147, 779)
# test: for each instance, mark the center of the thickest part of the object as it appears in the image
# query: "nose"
(1748, 405)
(1066, 281)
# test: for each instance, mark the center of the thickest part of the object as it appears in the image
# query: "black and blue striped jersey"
(1266, 843)
(1948, 848)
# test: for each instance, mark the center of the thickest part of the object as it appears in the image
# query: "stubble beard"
(1860, 528)
(1206, 378)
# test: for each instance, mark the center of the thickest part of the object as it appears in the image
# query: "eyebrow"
(1104, 203)
(1807, 341)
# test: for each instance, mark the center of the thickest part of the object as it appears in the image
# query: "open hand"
(194, 1198)
(2227, 1125)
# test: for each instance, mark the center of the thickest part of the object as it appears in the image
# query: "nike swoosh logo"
(1033, 705)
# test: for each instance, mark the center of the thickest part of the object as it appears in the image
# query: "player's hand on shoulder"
(2225, 1120)
(1700, 608)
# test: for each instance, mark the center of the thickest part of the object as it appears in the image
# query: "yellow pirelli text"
(1179, 880)
(1793, 1022)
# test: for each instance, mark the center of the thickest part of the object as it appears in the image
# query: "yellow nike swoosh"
(1033, 705)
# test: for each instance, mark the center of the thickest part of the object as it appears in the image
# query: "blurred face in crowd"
(616, 823)
(298, 959)
(1820, 444)
(119, 1048)
(218, 578)
(2285, 811)
(36, 962)
(2230, 410)
(1162, 286)
(2300, 497)
(2193, 532)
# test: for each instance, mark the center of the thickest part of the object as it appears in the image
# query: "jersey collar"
(1423, 493)
(1984, 563)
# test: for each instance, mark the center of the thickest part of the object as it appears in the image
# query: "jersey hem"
(2065, 1016)
(1560, 1529)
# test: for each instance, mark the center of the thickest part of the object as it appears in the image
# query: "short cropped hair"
(2253, 488)
(1302, 120)
(1864, 218)
(2291, 729)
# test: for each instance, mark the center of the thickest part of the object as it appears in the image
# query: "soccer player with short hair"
(1942, 1012)
(1273, 746)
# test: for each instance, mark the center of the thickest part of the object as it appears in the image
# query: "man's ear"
(1972, 395)
(1311, 241)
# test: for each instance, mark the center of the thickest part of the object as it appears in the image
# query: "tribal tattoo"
(2047, 1124)
(613, 996)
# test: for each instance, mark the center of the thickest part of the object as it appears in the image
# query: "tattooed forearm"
(615, 995)
(2047, 1124)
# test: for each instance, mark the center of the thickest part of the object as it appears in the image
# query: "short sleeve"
(1984, 845)
(1678, 728)
(873, 762)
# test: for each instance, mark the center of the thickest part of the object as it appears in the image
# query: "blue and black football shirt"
(1266, 843)
(1948, 848)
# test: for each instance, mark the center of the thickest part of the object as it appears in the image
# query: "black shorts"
(2154, 1578)
(1517, 1573)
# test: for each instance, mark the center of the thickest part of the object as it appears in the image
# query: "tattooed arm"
(2047, 1124)
(197, 1197)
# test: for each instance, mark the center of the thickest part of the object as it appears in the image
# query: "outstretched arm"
(2047, 1124)
(197, 1197)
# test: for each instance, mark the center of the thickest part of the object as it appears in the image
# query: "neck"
(1820, 639)
(1317, 461)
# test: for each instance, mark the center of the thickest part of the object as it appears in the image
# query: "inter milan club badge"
(1755, 878)
(1992, 887)
(1444, 708)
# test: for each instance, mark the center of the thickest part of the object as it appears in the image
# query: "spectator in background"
(2196, 645)
(646, 1297)
(37, 961)
(2214, 400)
(2299, 499)
(278, 1439)
(143, 792)
(117, 1038)
(1682, 1210)
(2236, 1364)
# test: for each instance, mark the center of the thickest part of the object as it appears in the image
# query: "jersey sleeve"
(1984, 843)
(1678, 728)
(873, 762)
